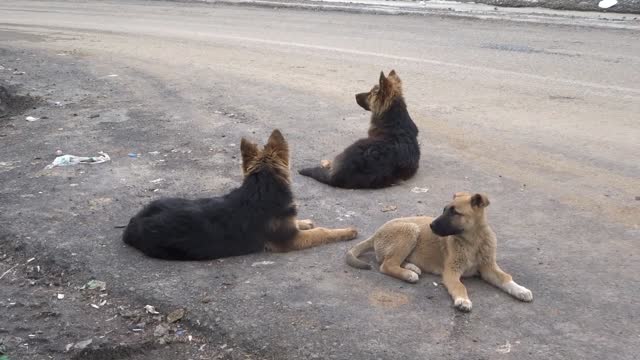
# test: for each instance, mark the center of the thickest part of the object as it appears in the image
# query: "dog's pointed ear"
(395, 78)
(480, 201)
(249, 153)
(278, 145)
(383, 81)
(460, 193)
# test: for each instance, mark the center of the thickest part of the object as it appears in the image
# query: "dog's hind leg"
(317, 236)
(412, 267)
(396, 242)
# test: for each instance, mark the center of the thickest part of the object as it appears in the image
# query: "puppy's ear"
(382, 82)
(278, 146)
(249, 153)
(394, 76)
(460, 193)
(480, 201)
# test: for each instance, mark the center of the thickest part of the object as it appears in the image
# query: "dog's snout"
(361, 99)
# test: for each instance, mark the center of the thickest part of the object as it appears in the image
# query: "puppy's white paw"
(462, 304)
(325, 164)
(412, 277)
(412, 267)
(519, 292)
(305, 224)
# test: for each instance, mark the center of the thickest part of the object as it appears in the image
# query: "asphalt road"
(543, 118)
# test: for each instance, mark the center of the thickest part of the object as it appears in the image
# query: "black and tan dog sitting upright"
(389, 154)
(458, 243)
(258, 215)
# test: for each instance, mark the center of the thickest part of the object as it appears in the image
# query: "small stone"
(93, 116)
(175, 315)
(389, 208)
(161, 330)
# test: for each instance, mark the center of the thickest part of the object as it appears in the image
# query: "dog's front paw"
(462, 304)
(305, 224)
(519, 292)
(325, 164)
(350, 234)
(411, 277)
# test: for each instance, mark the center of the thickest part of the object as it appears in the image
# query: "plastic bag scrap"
(67, 160)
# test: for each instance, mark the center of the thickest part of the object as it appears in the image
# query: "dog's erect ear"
(249, 153)
(278, 145)
(460, 193)
(480, 201)
(394, 76)
(382, 83)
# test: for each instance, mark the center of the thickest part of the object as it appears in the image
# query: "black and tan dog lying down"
(259, 215)
(458, 243)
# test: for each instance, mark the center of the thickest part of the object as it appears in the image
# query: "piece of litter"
(175, 315)
(132, 155)
(389, 208)
(504, 349)
(18, 73)
(156, 181)
(418, 190)
(97, 284)
(190, 338)
(95, 306)
(68, 160)
(30, 260)
(154, 153)
(605, 4)
(435, 283)
(31, 118)
(68, 347)
(82, 344)
(309, 302)
(60, 296)
(151, 310)
(58, 152)
(261, 263)
(112, 75)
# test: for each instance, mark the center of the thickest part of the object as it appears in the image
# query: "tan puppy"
(458, 243)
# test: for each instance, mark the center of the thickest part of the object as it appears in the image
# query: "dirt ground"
(543, 118)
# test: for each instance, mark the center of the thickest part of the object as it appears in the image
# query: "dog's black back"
(241, 222)
(390, 153)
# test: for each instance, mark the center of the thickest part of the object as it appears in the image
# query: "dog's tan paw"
(411, 277)
(462, 304)
(412, 267)
(325, 163)
(350, 234)
(305, 224)
(519, 292)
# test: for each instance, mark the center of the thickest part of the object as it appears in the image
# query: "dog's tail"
(354, 252)
(319, 173)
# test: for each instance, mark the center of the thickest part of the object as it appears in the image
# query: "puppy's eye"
(454, 212)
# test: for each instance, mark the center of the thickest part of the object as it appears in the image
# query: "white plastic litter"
(67, 160)
(605, 4)
(31, 118)
(151, 310)
(418, 190)
(262, 263)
